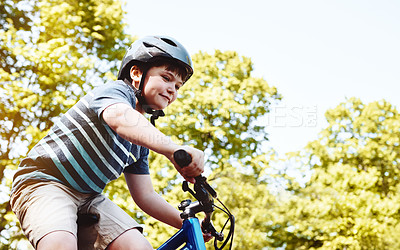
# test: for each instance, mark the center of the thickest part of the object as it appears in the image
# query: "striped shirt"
(81, 150)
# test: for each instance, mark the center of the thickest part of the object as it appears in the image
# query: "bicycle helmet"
(146, 50)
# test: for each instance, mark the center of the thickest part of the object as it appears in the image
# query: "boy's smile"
(168, 99)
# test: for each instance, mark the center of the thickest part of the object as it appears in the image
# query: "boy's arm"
(150, 202)
(134, 127)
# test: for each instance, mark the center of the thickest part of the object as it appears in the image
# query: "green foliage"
(224, 102)
(47, 65)
(351, 200)
(50, 53)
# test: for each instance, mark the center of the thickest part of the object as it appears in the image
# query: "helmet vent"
(148, 45)
(169, 42)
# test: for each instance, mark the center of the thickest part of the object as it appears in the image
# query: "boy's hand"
(195, 168)
(207, 237)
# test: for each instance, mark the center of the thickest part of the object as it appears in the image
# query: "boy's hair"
(170, 65)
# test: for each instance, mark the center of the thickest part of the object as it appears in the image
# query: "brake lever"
(208, 227)
(203, 182)
(186, 188)
(200, 192)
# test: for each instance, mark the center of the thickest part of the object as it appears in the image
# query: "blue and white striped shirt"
(81, 150)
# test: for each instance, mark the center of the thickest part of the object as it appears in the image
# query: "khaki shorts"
(45, 207)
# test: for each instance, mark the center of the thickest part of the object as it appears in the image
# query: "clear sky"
(316, 52)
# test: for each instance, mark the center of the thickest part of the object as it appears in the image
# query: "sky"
(316, 53)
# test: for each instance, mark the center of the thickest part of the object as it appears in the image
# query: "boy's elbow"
(115, 115)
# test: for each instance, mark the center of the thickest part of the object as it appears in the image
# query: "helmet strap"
(155, 114)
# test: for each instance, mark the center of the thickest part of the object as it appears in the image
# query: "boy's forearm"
(134, 127)
(161, 210)
(150, 202)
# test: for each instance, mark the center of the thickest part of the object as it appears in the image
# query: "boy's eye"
(166, 78)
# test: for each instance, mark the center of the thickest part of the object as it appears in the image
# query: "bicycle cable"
(231, 219)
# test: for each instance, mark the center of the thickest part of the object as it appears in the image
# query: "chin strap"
(155, 114)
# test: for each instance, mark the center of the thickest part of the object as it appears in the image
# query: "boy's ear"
(136, 75)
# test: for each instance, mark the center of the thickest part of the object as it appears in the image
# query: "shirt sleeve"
(109, 94)
(141, 166)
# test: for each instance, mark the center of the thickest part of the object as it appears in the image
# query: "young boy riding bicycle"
(102, 136)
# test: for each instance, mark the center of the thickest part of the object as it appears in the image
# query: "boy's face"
(161, 87)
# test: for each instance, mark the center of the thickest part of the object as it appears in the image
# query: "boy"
(103, 135)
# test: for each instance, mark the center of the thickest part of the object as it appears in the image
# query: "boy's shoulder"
(110, 93)
(112, 87)
(111, 84)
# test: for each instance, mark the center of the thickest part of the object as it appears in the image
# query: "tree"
(218, 111)
(351, 199)
(46, 65)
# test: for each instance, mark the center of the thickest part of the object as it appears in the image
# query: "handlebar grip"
(182, 158)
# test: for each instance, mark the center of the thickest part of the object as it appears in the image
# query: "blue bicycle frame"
(190, 233)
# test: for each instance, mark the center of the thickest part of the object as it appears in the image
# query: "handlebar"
(205, 195)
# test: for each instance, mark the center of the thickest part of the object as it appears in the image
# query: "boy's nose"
(171, 88)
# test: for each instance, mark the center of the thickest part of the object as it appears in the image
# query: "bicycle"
(191, 231)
